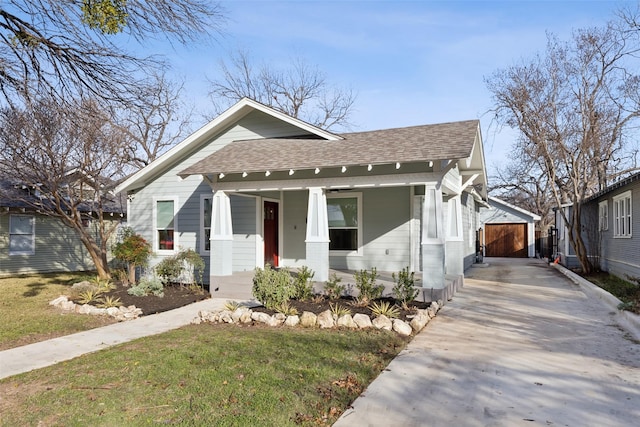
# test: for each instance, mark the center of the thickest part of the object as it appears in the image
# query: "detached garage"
(508, 231)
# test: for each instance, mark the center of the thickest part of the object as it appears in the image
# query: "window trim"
(203, 229)
(358, 197)
(33, 236)
(603, 215)
(626, 219)
(156, 242)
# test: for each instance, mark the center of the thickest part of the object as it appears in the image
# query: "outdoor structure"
(256, 186)
(31, 242)
(608, 223)
(507, 230)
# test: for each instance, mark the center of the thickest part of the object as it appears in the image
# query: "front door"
(271, 233)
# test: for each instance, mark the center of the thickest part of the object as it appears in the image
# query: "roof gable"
(205, 133)
(501, 204)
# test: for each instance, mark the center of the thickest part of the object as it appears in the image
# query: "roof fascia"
(234, 113)
(509, 205)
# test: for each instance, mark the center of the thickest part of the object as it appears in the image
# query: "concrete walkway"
(520, 345)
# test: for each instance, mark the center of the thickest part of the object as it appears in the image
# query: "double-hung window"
(22, 237)
(344, 212)
(165, 225)
(622, 215)
(603, 216)
(205, 222)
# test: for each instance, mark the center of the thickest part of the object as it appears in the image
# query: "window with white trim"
(603, 216)
(344, 214)
(205, 222)
(165, 225)
(22, 236)
(622, 215)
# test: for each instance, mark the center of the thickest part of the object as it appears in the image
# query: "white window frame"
(156, 242)
(623, 216)
(603, 215)
(358, 197)
(203, 227)
(33, 235)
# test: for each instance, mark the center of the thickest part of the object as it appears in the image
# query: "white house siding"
(294, 228)
(621, 256)
(187, 191)
(470, 223)
(57, 249)
(243, 213)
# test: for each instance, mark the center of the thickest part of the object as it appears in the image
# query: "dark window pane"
(343, 239)
(165, 240)
(207, 239)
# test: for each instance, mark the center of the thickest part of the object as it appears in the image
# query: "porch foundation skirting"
(221, 258)
(318, 260)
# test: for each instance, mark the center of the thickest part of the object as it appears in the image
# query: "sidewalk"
(45, 353)
(519, 345)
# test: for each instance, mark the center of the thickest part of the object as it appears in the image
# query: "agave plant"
(231, 305)
(338, 310)
(109, 301)
(89, 296)
(384, 308)
(286, 309)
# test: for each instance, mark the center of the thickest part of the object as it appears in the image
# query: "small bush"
(366, 285)
(404, 289)
(169, 269)
(303, 283)
(147, 285)
(272, 287)
(333, 288)
(385, 308)
(133, 250)
(186, 266)
(102, 285)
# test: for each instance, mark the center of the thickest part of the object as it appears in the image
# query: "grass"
(223, 375)
(27, 317)
(625, 291)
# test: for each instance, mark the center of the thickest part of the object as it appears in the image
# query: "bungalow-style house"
(256, 186)
(608, 226)
(507, 230)
(31, 242)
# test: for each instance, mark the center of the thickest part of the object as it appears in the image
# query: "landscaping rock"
(382, 322)
(402, 327)
(419, 322)
(277, 319)
(308, 319)
(362, 320)
(292, 320)
(83, 286)
(58, 301)
(347, 321)
(246, 316)
(325, 319)
(260, 317)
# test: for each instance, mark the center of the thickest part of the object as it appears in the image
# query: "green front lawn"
(222, 375)
(27, 317)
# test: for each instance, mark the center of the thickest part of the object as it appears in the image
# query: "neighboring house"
(507, 230)
(608, 225)
(31, 242)
(256, 186)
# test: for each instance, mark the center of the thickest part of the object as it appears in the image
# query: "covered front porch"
(238, 285)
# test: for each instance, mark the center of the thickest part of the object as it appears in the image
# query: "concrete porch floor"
(238, 285)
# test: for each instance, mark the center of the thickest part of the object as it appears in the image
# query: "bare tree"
(154, 123)
(63, 162)
(66, 49)
(574, 107)
(301, 91)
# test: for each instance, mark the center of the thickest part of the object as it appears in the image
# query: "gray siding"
(57, 249)
(243, 212)
(294, 227)
(470, 223)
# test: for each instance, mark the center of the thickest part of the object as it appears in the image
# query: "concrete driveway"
(519, 345)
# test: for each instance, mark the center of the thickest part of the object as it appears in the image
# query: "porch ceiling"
(404, 145)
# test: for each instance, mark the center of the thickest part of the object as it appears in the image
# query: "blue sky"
(410, 63)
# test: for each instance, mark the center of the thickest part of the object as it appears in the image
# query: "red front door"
(271, 233)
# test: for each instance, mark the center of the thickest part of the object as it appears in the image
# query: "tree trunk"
(132, 273)
(576, 240)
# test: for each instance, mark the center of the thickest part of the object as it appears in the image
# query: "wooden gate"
(506, 240)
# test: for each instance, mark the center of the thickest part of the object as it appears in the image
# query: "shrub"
(384, 308)
(133, 250)
(333, 288)
(272, 287)
(187, 266)
(303, 284)
(102, 285)
(148, 285)
(404, 289)
(366, 285)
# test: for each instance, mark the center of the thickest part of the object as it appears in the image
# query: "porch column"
(221, 253)
(454, 247)
(317, 239)
(433, 244)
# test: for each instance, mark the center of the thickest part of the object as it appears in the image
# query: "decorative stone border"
(324, 320)
(121, 313)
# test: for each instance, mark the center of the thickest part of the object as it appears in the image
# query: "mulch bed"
(319, 305)
(175, 296)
